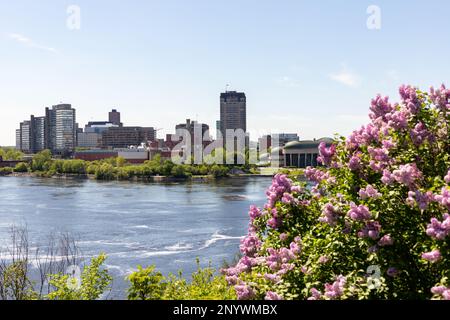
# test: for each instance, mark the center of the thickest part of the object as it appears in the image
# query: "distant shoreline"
(161, 179)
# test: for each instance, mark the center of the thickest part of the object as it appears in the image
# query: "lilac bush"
(372, 223)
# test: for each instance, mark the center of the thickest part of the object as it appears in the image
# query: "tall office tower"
(233, 111)
(18, 140)
(114, 117)
(30, 138)
(61, 128)
(26, 136)
(39, 134)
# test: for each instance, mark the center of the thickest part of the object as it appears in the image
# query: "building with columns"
(302, 154)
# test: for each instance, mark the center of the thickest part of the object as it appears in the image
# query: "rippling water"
(168, 225)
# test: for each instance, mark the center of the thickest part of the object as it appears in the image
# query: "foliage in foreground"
(376, 223)
(148, 284)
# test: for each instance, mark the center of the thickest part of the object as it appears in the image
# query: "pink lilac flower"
(244, 292)
(444, 197)
(354, 163)
(326, 154)
(297, 189)
(388, 177)
(433, 256)
(359, 213)
(419, 198)
(439, 230)
(447, 177)
(315, 294)
(330, 215)
(442, 291)
(324, 259)
(441, 97)
(275, 278)
(335, 290)
(295, 248)
(380, 107)
(369, 192)
(392, 272)
(410, 98)
(316, 175)
(283, 237)
(250, 245)
(379, 154)
(280, 185)
(386, 240)
(270, 295)
(370, 230)
(287, 198)
(254, 212)
(419, 133)
(388, 144)
(407, 174)
(363, 136)
(232, 280)
(277, 258)
(398, 119)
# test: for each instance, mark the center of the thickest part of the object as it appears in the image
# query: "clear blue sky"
(306, 66)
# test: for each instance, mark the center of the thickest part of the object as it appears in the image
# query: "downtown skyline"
(162, 62)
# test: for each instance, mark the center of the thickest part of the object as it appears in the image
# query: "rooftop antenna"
(227, 87)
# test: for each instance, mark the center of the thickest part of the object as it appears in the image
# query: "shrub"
(94, 282)
(374, 223)
(6, 170)
(21, 167)
(41, 161)
(148, 284)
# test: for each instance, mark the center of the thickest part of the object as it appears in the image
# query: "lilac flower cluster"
(369, 192)
(250, 245)
(335, 290)
(410, 98)
(433, 256)
(444, 197)
(439, 230)
(386, 240)
(419, 134)
(441, 97)
(380, 106)
(326, 154)
(280, 185)
(244, 292)
(371, 230)
(316, 175)
(359, 213)
(407, 174)
(420, 199)
(270, 295)
(364, 136)
(441, 291)
(447, 177)
(330, 215)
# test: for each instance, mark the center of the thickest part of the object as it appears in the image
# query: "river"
(167, 225)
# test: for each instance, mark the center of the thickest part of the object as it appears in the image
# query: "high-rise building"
(31, 137)
(61, 128)
(18, 140)
(123, 137)
(39, 135)
(233, 111)
(26, 137)
(114, 117)
(193, 127)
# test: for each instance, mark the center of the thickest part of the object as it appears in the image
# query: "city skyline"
(304, 69)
